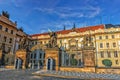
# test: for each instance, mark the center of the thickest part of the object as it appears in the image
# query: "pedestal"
(0, 56)
(89, 57)
(52, 59)
(21, 55)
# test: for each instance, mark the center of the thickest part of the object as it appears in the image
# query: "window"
(108, 54)
(11, 31)
(101, 45)
(19, 39)
(32, 43)
(91, 39)
(113, 36)
(102, 54)
(9, 49)
(0, 27)
(18, 46)
(106, 37)
(115, 54)
(40, 55)
(114, 44)
(107, 45)
(72, 56)
(60, 41)
(6, 29)
(34, 55)
(10, 40)
(116, 61)
(100, 37)
(36, 42)
(5, 38)
(40, 42)
(31, 56)
(44, 42)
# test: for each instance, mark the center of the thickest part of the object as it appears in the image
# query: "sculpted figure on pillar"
(87, 42)
(23, 43)
(53, 40)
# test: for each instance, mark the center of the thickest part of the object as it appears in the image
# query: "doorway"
(50, 64)
(19, 63)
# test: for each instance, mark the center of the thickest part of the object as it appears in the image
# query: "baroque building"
(10, 37)
(87, 49)
(104, 38)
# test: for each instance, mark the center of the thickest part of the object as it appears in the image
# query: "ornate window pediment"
(73, 44)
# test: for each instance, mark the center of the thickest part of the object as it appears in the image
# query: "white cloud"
(16, 3)
(64, 12)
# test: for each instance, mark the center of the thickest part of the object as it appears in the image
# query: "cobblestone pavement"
(4, 69)
(25, 75)
(81, 75)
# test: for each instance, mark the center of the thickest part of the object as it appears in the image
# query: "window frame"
(1, 27)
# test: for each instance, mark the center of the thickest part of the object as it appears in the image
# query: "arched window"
(6, 29)
(0, 27)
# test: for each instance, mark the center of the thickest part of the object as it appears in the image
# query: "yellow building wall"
(111, 48)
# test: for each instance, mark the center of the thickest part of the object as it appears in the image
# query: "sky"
(37, 16)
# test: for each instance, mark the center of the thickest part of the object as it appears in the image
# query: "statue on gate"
(23, 43)
(53, 40)
(87, 42)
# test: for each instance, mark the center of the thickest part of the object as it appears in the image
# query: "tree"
(73, 62)
(107, 62)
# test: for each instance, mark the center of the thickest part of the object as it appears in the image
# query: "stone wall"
(10, 67)
(108, 70)
(74, 69)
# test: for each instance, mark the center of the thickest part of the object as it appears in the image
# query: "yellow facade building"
(105, 38)
(108, 46)
(8, 32)
(10, 37)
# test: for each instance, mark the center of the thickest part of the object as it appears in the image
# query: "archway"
(18, 63)
(50, 64)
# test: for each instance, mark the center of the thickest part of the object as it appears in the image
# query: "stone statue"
(87, 42)
(23, 43)
(53, 40)
(2, 47)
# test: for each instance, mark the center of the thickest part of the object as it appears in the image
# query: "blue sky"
(37, 16)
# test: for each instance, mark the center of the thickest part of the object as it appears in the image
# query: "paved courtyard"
(79, 75)
(6, 74)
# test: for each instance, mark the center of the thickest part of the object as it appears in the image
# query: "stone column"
(46, 64)
(15, 64)
(69, 60)
(63, 60)
(32, 64)
(78, 62)
(38, 65)
(82, 59)
(51, 64)
(42, 59)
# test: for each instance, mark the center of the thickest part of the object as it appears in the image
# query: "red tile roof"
(83, 29)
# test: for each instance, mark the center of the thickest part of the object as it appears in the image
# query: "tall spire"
(64, 27)
(74, 26)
